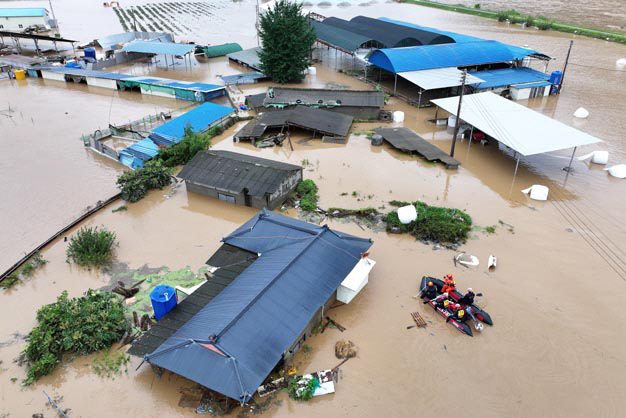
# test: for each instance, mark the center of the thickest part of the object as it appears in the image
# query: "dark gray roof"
(389, 35)
(322, 121)
(406, 140)
(324, 97)
(255, 100)
(234, 172)
(341, 38)
(247, 57)
(232, 261)
(235, 341)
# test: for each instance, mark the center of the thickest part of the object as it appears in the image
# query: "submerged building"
(292, 272)
(20, 19)
(241, 179)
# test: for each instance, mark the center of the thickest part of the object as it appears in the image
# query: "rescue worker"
(456, 312)
(449, 284)
(439, 299)
(468, 300)
(430, 291)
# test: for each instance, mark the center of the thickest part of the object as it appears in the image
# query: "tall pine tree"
(287, 41)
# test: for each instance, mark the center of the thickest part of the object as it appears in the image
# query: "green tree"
(287, 39)
(192, 142)
(135, 184)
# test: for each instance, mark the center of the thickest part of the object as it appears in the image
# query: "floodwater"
(603, 14)
(556, 346)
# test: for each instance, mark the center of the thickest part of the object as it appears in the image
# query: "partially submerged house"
(20, 19)
(240, 178)
(268, 311)
(360, 104)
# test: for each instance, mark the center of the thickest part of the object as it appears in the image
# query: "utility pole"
(565, 66)
(458, 114)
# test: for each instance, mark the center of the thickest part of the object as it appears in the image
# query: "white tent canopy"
(524, 130)
(438, 78)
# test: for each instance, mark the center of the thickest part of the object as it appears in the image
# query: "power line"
(597, 68)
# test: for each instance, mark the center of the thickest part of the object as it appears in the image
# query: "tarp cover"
(518, 127)
(235, 341)
(438, 78)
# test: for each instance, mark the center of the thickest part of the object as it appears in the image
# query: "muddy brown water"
(555, 349)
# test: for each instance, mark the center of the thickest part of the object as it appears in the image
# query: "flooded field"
(555, 349)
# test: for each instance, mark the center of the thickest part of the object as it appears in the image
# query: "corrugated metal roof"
(243, 78)
(168, 48)
(397, 60)
(530, 85)
(198, 118)
(457, 37)
(507, 76)
(234, 342)
(438, 78)
(23, 12)
(248, 57)
(212, 51)
(118, 38)
(324, 97)
(338, 37)
(234, 172)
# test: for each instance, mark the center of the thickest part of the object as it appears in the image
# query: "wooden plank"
(419, 321)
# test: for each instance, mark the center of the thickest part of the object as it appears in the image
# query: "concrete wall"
(18, 24)
(50, 75)
(102, 82)
(286, 187)
(240, 199)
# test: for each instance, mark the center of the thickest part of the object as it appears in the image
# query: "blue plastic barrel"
(90, 53)
(555, 77)
(163, 300)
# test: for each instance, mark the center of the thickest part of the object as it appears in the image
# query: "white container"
(407, 214)
(537, 192)
(618, 171)
(312, 70)
(597, 157)
(620, 64)
(398, 116)
(452, 121)
(581, 113)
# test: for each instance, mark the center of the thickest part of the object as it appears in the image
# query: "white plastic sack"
(398, 116)
(621, 64)
(618, 171)
(597, 157)
(407, 214)
(581, 113)
(537, 192)
(452, 121)
(312, 70)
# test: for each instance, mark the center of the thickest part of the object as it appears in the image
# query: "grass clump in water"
(307, 192)
(26, 270)
(433, 223)
(80, 325)
(91, 247)
(111, 365)
(192, 143)
(134, 185)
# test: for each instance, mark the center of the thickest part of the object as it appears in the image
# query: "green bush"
(182, 152)
(91, 247)
(445, 225)
(80, 325)
(135, 184)
(301, 392)
(543, 24)
(307, 192)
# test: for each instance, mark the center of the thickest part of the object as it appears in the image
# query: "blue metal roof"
(507, 76)
(530, 85)
(458, 38)
(23, 12)
(426, 57)
(168, 48)
(163, 140)
(144, 149)
(235, 341)
(198, 118)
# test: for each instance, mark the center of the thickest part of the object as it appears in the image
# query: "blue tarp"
(507, 76)
(426, 57)
(168, 48)
(200, 118)
(135, 155)
(235, 341)
(458, 38)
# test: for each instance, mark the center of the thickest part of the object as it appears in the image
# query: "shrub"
(502, 16)
(91, 247)
(26, 270)
(445, 225)
(182, 152)
(543, 24)
(477, 6)
(135, 184)
(307, 192)
(80, 325)
(301, 389)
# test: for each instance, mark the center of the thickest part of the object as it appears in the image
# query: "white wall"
(50, 75)
(102, 82)
(13, 23)
(147, 90)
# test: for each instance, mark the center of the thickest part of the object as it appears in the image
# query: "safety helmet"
(469, 289)
(445, 294)
(461, 313)
(446, 303)
(430, 283)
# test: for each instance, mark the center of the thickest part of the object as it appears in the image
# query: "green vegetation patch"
(307, 193)
(433, 223)
(111, 365)
(134, 185)
(91, 247)
(300, 388)
(192, 143)
(26, 270)
(80, 325)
